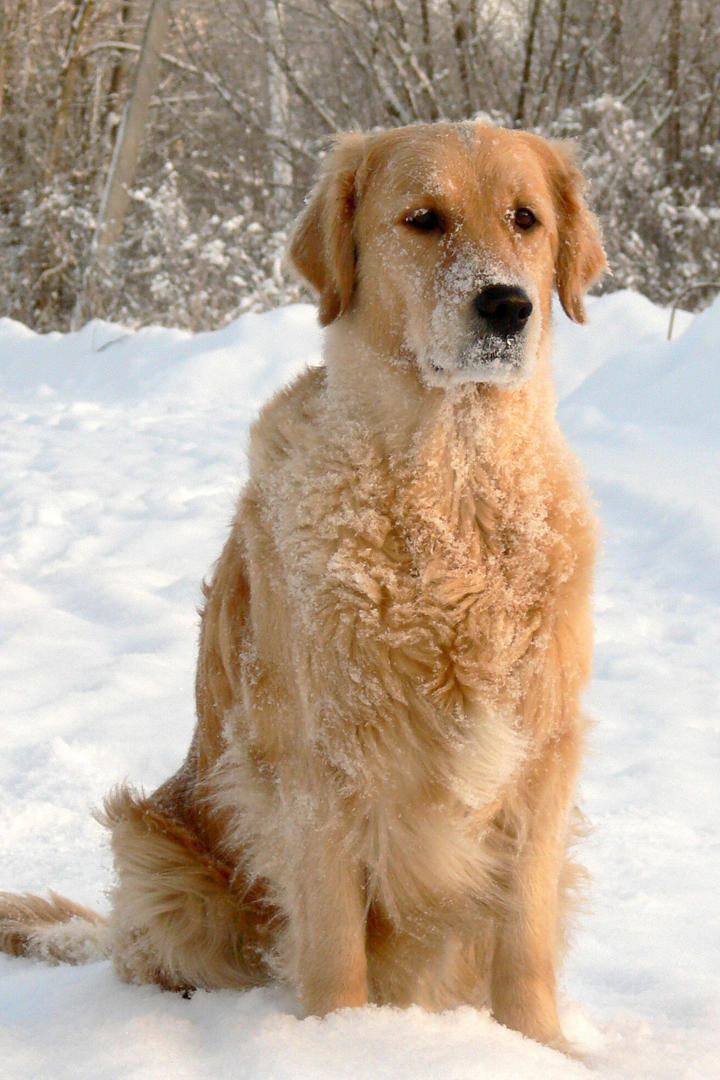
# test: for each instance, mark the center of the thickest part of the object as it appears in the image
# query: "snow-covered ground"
(120, 456)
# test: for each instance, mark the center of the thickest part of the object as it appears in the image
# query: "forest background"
(246, 95)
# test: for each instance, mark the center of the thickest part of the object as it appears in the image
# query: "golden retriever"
(378, 799)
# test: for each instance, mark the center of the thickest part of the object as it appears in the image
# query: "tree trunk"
(129, 138)
(119, 69)
(427, 56)
(125, 158)
(69, 75)
(6, 34)
(520, 118)
(279, 166)
(615, 45)
(460, 36)
(673, 140)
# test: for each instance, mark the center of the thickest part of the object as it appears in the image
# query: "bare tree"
(519, 118)
(69, 74)
(130, 135)
(278, 97)
(673, 144)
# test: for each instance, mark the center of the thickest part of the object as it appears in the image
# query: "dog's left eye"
(524, 218)
(424, 220)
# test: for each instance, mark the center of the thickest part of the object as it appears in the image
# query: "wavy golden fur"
(377, 801)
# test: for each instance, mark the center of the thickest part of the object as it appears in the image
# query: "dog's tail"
(56, 930)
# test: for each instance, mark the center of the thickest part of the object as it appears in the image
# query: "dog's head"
(446, 242)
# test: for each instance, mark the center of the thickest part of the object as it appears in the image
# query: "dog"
(378, 801)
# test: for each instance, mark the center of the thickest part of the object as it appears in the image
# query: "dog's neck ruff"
(417, 426)
(469, 462)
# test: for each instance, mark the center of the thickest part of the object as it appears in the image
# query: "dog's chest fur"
(421, 587)
(414, 630)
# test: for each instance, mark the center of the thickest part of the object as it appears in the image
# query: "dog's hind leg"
(179, 919)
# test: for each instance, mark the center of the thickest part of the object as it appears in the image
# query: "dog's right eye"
(425, 220)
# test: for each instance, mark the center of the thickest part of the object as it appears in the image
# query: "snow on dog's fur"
(377, 801)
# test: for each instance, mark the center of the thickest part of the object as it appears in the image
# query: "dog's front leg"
(523, 980)
(327, 929)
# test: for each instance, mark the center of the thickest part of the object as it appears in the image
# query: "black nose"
(505, 308)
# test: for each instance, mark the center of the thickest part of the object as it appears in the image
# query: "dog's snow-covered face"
(484, 323)
(442, 243)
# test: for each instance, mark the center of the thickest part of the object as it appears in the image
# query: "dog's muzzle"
(503, 309)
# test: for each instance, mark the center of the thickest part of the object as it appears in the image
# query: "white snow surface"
(121, 454)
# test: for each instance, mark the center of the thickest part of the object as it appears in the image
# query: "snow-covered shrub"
(192, 267)
(44, 238)
(661, 229)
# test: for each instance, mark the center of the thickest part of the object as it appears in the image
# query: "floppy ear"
(580, 258)
(322, 246)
